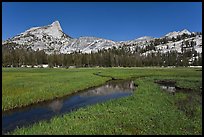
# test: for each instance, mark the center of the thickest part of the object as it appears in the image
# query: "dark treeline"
(123, 57)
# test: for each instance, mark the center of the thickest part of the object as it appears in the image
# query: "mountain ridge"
(52, 39)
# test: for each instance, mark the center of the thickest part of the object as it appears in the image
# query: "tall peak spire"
(56, 24)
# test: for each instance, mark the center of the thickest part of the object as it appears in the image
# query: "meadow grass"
(21, 87)
(149, 110)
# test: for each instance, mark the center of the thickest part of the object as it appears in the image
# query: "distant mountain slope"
(48, 38)
(88, 45)
(52, 39)
(175, 34)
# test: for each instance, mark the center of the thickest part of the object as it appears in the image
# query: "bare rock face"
(49, 38)
(52, 39)
(56, 25)
(175, 33)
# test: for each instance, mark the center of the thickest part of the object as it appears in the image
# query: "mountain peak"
(176, 33)
(56, 24)
(185, 31)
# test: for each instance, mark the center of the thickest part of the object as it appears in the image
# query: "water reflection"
(168, 88)
(56, 105)
(45, 111)
(110, 88)
(167, 85)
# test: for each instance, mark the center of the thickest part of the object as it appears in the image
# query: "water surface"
(45, 111)
(167, 85)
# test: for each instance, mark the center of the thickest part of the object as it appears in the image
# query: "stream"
(26, 116)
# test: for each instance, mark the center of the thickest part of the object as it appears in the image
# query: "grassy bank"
(21, 87)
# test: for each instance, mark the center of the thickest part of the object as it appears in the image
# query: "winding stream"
(45, 111)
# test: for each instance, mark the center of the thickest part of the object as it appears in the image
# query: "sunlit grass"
(26, 86)
(149, 110)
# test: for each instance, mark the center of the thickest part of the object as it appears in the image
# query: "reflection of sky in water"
(110, 89)
(56, 105)
(46, 111)
(168, 88)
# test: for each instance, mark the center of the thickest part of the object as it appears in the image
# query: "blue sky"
(111, 20)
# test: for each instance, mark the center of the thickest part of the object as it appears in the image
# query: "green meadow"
(149, 111)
